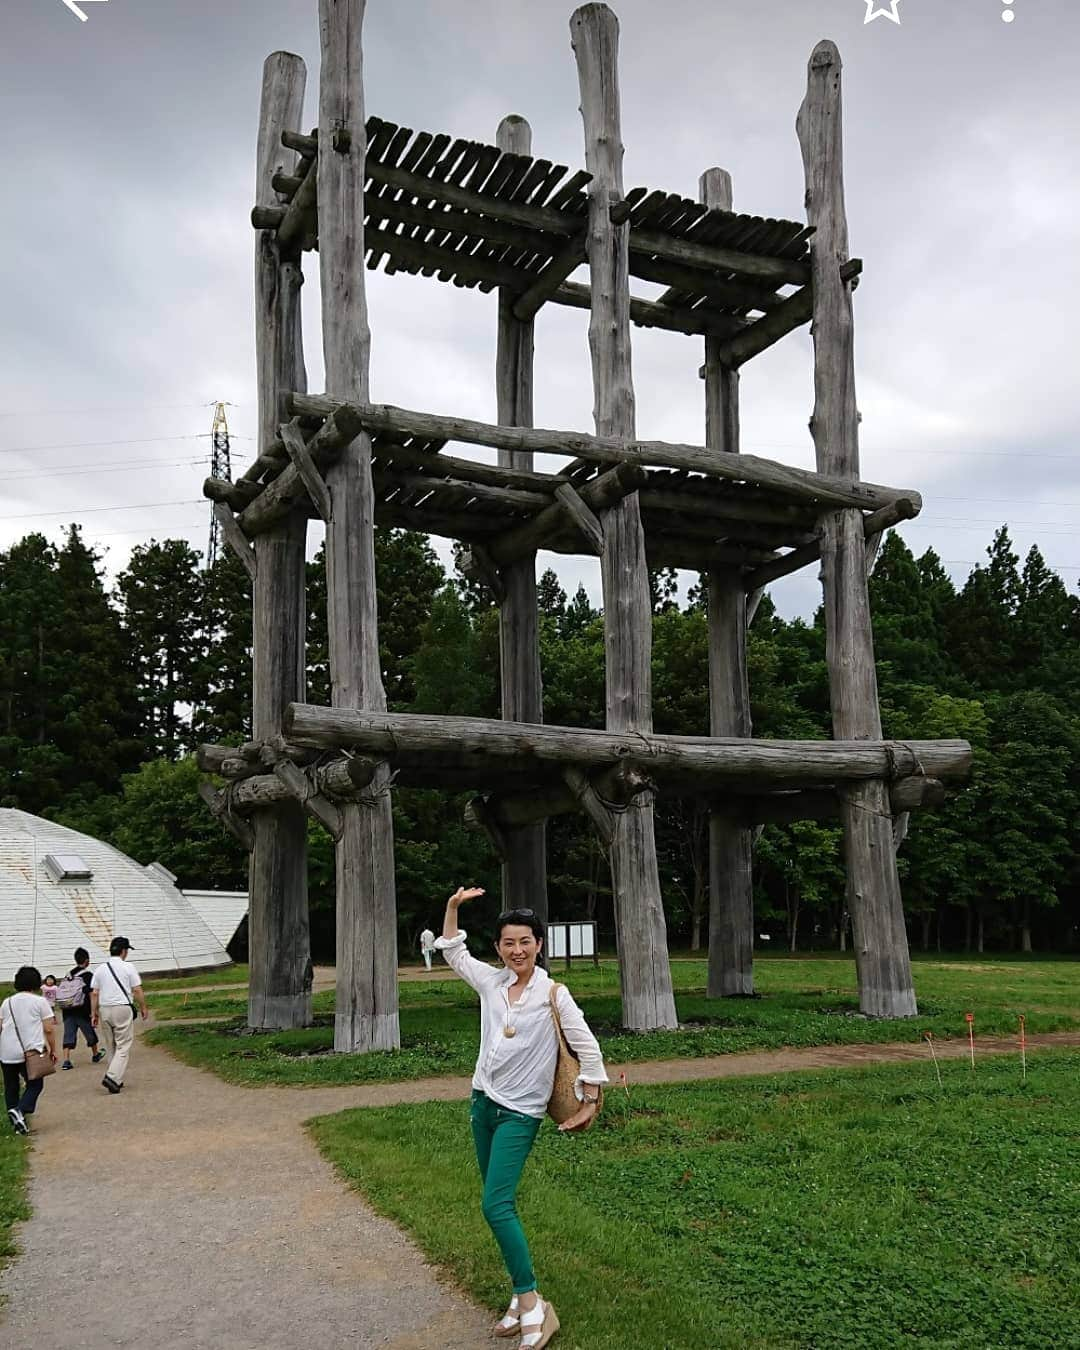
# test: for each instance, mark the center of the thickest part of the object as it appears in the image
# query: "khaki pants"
(117, 1027)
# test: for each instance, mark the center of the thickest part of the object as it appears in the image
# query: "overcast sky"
(127, 251)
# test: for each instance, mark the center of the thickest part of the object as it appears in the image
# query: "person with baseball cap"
(114, 991)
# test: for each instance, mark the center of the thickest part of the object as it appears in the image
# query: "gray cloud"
(129, 254)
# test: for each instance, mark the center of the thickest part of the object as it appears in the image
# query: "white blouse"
(518, 1071)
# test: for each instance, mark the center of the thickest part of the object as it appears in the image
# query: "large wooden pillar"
(524, 869)
(873, 884)
(731, 894)
(279, 990)
(366, 1008)
(644, 970)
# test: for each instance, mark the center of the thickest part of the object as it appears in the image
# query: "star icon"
(889, 11)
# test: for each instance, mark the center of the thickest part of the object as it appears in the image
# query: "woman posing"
(27, 1022)
(512, 1085)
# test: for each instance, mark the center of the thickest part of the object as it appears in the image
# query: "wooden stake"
(524, 859)
(279, 989)
(647, 997)
(366, 1005)
(873, 884)
(731, 893)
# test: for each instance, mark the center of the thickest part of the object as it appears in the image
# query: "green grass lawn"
(804, 1002)
(13, 1206)
(825, 1211)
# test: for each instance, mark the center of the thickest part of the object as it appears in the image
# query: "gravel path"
(213, 1223)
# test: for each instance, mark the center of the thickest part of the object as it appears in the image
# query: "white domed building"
(60, 889)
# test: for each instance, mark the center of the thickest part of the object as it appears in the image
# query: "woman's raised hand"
(462, 894)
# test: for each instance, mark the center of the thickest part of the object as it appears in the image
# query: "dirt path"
(207, 1220)
(213, 1224)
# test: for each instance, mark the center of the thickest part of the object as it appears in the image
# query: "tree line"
(104, 694)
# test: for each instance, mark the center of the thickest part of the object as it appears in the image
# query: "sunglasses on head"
(511, 914)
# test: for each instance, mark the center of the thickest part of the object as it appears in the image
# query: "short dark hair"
(27, 979)
(118, 946)
(81, 955)
(523, 918)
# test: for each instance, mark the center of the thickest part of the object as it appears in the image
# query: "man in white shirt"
(114, 990)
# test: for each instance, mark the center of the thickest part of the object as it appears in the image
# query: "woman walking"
(512, 1085)
(27, 1022)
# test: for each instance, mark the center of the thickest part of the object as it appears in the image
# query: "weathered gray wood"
(235, 495)
(467, 470)
(476, 563)
(777, 270)
(873, 884)
(279, 990)
(872, 526)
(465, 491)
(614, 787)
(299, 225)
(287, 491)
(235, 538)
(731, 893)
(763, 333)
(651, 314)
(644, 971)
(550, 278)
(543, 531)
(604, 820)
(782, 808)
(479, 817)
(312, 479)
(798, 484)
(583, 520)
(524, 856)
(309, 797)
(366, 1004)
(216, 801)
(409, 738)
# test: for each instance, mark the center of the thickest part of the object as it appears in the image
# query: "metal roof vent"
(67, 867)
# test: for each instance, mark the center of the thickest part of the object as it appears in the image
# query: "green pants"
(503, 1140)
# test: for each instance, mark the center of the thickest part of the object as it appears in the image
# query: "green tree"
(162, 590)
(224, 680)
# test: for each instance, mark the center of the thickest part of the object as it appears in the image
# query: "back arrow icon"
(77, 11)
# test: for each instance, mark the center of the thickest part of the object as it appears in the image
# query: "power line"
(85, 445)
(79, 471)
(105, 408)
(75, 511)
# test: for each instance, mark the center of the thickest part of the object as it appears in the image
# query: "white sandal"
(538, 1325)
(510, 1322)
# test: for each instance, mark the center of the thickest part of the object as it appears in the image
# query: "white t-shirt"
(32, 1011)
(114, 993)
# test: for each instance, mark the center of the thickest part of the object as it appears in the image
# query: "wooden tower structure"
(492, 217)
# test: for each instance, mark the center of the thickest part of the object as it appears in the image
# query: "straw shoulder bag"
(564, 1101)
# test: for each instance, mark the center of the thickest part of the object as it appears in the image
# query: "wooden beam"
(366, 1000)
(873, 884)
(436, 465)
(872, 525)
(287, 491)
(763, 333)
(604, 821)
(476, 563)
(299, 226)
(217, 801)
(478, 816)
(583, 520)
(797, 484)
(521, 691)
(279, 989)
(235, 538)
(618, 786)
(314, 803)
(408, 738)
(551, 278)
(651, 314)
(783, 808)
(779, 271)
(311, 478)
(541, 532)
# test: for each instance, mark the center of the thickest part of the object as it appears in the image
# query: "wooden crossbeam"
(293, 440)
(597, 495)
(798, 484)
(551, 278)
(313, 802)
(587, 525)
(216, 801)
(235, 537)
(483, 743)
(477, 564)
(714, 259)
(873, 524)
(604, 820)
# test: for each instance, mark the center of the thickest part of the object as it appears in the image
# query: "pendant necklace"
(509, 1030)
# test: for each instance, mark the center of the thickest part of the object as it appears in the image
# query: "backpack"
(71, 992)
